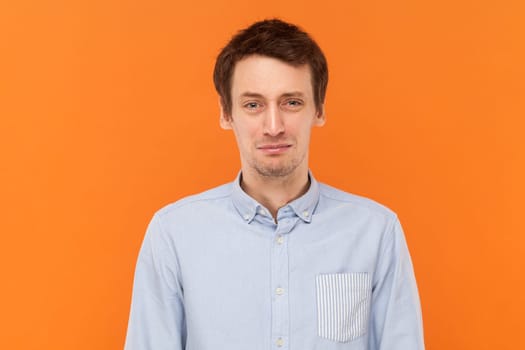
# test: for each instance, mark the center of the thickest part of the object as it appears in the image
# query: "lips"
(274, 148)
(280, 145)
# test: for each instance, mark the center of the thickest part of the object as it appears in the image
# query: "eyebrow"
(286, 94)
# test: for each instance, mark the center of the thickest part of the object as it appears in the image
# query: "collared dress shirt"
(215, 271)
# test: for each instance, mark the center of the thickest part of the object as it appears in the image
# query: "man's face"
(273, 111)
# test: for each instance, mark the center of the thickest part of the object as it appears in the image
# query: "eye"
(294, 104)
(251, 105)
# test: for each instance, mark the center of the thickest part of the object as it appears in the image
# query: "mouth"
(274, 148)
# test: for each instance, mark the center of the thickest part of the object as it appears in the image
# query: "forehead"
(270, 77)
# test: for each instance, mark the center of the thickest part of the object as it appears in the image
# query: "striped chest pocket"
(343, 305)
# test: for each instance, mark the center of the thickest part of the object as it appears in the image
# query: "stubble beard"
(280, 170)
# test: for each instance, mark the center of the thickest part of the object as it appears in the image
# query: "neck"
(275, 192)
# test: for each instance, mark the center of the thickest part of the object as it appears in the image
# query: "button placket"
(280, 279)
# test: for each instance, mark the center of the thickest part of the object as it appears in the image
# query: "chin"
(275, 171)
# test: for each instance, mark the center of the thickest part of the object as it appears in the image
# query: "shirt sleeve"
(157, 319)
(396, 321)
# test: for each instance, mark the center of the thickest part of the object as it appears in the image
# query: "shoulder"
(331, 198)
(211, 198)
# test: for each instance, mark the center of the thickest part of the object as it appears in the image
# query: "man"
(274, 260)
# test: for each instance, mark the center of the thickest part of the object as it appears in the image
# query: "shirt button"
(279, 342)
(306, 213)
(246, 217)
(262, 212)
(279, 291)
(280, 239)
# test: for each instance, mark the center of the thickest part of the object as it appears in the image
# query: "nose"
(273, 122)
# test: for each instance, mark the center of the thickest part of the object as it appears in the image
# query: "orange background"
(108, 112)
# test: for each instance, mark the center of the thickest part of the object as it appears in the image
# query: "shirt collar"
(303, 206)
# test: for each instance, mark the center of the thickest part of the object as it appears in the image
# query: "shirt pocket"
(343, 305)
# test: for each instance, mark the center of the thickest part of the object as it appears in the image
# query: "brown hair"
(277, 39)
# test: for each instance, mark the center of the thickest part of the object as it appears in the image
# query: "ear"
(225, 120)
(320, 117)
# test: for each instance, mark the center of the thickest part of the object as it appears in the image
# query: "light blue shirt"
(216, 272)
